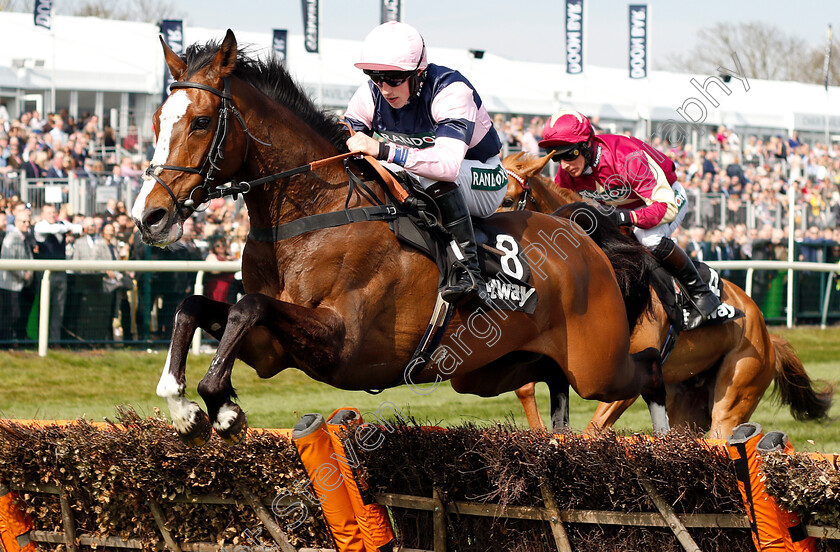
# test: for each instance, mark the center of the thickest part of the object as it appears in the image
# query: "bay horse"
(348, 304)
(715, 375)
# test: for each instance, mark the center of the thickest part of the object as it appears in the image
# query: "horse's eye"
(507, 202)
(200, 123)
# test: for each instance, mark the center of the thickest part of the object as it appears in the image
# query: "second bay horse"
(715, 375)
(348, 304)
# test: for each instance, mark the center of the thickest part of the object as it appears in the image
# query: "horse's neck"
(290, 144)
(548, 196)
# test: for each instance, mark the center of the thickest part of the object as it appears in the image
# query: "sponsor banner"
(43, 13)
(391, 11)
(173, 33)
(310, 25)
(638, 41)
(489, 179)
(278, 43)
(574, 37)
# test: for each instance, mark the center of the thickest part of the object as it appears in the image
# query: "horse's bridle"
(215, 154)
(526, 190)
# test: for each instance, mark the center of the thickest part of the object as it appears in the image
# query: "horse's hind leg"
(741, 382)
(607, 414)
(527, 397)
(190, 422)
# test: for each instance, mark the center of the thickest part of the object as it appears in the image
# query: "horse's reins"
(526, 190)
(215, 154)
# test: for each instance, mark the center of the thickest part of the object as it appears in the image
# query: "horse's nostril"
(154, 217)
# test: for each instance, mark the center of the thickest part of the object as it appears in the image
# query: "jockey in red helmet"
(432, 123)
(637, 185)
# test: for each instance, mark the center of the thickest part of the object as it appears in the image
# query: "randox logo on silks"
(489, 179)
(423, 140)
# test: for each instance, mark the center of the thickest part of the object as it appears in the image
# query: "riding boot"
(677, 262)
(455, 217)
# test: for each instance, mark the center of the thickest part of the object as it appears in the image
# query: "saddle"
(503, 267)
(675, 300)
(415, 221)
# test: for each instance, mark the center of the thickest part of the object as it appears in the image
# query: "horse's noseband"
(215, 154)
(526, 190)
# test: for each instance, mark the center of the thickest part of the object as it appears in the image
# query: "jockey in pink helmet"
(432, 123)
(637, 185)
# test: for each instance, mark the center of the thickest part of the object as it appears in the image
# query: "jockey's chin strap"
(215, 154)
(526, 190)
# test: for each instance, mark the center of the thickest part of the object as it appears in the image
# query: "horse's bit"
(215, 154)
(526, 191)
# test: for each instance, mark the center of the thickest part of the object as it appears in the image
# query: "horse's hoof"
(236, 431)
(200, 432)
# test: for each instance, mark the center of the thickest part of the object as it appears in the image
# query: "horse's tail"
(631, 261)
(808, 400)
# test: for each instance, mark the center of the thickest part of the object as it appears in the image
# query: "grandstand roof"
(96, 54)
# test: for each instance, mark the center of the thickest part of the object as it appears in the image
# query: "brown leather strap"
(393, 184)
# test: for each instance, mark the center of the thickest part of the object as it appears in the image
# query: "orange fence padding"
(772, 527)
(371, 517)
(761, 508)
(793, 530)
(13, 523)
(316, 452)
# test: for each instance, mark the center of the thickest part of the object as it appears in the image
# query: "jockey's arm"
(454, 111)
(648, 181)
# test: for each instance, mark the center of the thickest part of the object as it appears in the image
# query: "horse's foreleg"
(191, 423)
(558, 389)
(607, 414)
(654, 393)
(527, 397)
(312, 337)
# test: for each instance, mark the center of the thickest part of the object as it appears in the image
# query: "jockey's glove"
(621, 217)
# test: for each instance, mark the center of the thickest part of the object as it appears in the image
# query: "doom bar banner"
(638, 41)
(391, 11)
(310, 25)
(173, 33)
(278, 43)
(574, 36)
(43, 13)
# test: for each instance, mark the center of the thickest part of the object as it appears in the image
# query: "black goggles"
(391, 78)
(568, 155)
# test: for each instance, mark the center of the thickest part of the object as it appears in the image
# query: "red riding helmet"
(564, 130)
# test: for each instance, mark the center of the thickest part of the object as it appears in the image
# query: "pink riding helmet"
(393, 46)
(565, 128)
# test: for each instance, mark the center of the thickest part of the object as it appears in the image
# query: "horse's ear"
(537, 165)
(225, 60)
(177, 66)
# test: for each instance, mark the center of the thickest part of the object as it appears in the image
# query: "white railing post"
(748, 283)
(44, 315)
(826, 300)
(199, 290)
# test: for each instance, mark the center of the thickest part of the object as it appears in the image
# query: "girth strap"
(323, 220)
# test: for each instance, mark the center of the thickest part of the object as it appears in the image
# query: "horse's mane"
(631, 261)
(271, 77)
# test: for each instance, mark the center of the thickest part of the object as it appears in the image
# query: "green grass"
(69, 385)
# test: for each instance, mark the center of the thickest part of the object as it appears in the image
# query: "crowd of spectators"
(724, 175)
(100, 307)
(738, 189)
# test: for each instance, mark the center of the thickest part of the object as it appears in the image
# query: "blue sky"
(529, 30)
